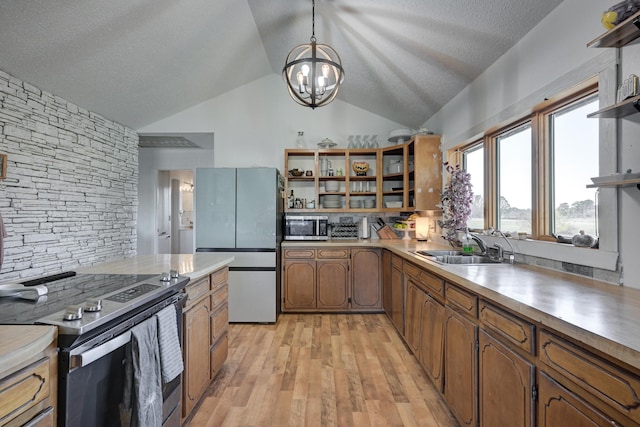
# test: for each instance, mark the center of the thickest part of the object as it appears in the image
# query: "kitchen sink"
(457, 257)
(439, 253)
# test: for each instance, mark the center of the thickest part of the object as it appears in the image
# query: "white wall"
(554, 48)
(256, 122)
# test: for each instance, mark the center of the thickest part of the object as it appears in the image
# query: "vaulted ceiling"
(139, 61)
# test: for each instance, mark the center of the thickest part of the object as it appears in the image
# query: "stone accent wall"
(70, 197)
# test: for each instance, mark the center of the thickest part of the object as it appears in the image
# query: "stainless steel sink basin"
(468, 259)
(457, 257)
(439, 253)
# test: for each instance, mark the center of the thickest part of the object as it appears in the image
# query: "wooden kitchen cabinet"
(299, 284)
(506, 384)
(365, 279)
(28, 378)
(558, 406)
(332, 284)
(461, 367)
(397, 294)
(416, 186)
(414, 298)
(328, 278)
(431, 349)
(386, 281)
(196, 354)
(205, 335)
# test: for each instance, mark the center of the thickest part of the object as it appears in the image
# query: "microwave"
(306, 227)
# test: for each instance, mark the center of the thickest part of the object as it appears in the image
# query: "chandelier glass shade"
(313, 72)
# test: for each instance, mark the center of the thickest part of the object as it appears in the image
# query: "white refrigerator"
(238, 211)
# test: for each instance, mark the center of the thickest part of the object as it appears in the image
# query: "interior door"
(215, 200)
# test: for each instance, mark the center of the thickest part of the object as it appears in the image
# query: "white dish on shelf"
(399, 135)
(393, 204)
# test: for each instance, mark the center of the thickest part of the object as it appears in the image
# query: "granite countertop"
(598, 314)
(191, 265)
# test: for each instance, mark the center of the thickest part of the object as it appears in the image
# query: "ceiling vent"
(148, 141)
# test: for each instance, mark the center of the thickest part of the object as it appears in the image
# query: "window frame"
(541, 168)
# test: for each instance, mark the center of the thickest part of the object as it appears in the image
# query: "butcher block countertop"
(191, 265)
(603, 316)
(20, 342)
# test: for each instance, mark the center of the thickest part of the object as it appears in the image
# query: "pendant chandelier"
(313, 71)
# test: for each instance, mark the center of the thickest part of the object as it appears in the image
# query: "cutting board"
(386, 232)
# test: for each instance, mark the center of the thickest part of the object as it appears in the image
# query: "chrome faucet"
(481, 243)
(500, 249)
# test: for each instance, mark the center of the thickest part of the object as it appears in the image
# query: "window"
(473, 162)
(574, 141)
(514, 180)
(530, 175)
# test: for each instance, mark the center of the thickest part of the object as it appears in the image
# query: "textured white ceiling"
(138, 61)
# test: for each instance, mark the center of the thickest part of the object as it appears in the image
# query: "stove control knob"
(93, 305)
(73, 312)
(165, 277)
(174, 274)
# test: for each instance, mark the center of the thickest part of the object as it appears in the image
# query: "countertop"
(601, 315)
(191, 265)
(19, 343)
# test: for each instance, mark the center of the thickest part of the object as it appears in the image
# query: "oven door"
(92, 379)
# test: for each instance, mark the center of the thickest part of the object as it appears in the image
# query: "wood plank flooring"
(321, 370)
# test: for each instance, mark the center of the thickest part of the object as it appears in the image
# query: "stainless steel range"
(94, 315)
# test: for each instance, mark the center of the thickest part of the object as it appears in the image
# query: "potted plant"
(455, 203)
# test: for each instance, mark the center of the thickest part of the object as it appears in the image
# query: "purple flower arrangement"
(456, 203)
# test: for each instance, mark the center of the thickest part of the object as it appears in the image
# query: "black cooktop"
(62, 293)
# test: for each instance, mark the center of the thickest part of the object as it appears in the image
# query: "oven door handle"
(90, 356)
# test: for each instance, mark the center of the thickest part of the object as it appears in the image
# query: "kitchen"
(100, 229)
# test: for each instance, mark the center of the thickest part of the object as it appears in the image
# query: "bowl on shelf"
(296, 172)
(394, 167)
(393, 204)
(331, 186)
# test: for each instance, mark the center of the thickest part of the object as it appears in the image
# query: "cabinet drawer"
(333, 253)
(515, 330)
(299, 253)
(196, 290)
(396, 261)
(219, 278)
(219, 323)
(462, 300)
(219, 355)
(610, 383)
(24, 389)
(432, 283)
(219, 297)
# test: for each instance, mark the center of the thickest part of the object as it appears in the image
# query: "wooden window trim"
(541, 211)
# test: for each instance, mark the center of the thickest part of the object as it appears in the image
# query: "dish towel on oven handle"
(142, 405)
(170, 352)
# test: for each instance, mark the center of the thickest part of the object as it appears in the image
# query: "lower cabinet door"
(299, 290)
(505, 387)
(431, 350)
(461, 367)
(196, 352)
(365, 279)
(558, 406)
(333, 284)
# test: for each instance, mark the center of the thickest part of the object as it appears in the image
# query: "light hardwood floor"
(321, 370)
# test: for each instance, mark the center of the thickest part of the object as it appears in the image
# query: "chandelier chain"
(313, 19)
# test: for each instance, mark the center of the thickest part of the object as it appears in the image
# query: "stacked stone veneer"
(70, 197)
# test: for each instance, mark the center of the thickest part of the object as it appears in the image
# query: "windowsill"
(560, 252)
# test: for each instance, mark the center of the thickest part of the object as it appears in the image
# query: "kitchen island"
(205, 318)
(542, 343)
